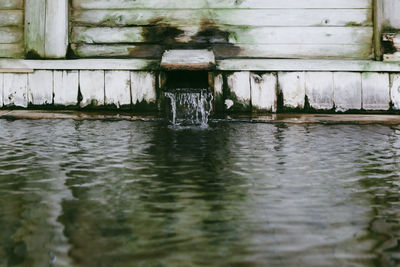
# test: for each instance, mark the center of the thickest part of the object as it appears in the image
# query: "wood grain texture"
(11, 4)
(176, 4)
(391, 11)
(1, 89)
(9, 35)
(11, 18)
(91, 84)
(356, 51)
(375, 91)
(264, 89)
(56, 41)
(292, 86)
(347, 91)
(237, 35)
(395, 90)
(66, 88)
(40, 87)
(239, 97)
(143, 88)
(234, 29)
(11, 50)
(117, 88)
(319, 90)
(188, 59)
(35, 20)
(15, 90)
(248, 17)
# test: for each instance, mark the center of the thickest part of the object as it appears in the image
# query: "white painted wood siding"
(11, 28)
(234, 29)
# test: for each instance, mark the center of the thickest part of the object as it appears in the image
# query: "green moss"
(353, 24)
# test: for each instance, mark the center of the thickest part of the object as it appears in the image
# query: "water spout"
(189, 106)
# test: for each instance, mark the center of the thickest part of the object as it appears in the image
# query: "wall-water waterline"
(188, 106)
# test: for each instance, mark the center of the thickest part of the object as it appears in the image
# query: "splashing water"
(189, 106)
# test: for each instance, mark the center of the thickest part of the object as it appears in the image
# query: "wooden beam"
(224, 65)
(378, 25)
(35, 17)
(56, 41)
(46, 28)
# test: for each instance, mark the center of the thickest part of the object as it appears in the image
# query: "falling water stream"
(189, 106)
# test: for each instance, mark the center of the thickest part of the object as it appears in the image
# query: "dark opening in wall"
(186, 79)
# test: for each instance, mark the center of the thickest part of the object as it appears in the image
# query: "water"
(189, 106)
(93, 193)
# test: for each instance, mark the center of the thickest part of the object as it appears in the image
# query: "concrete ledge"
(226, 65)
(272, 118)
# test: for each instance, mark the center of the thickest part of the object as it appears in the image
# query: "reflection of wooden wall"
(11, 28)
(234, 29)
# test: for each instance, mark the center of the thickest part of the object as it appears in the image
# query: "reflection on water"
(95, 193)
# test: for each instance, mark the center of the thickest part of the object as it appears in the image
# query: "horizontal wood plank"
(79, 64)
(175, 4)
(9, 35)
(11, 50)
(11, 18)
(248, 17)
(357, 51)
(224, 65)
(234, 35)
(11, 4)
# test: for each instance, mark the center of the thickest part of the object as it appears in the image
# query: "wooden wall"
(234, 29)
(391, 14)
(12, 28)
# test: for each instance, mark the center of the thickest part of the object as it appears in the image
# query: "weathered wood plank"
(223, 65)
(143, 88)
(56, 41)
(40, 87)
(11, 4)
(249, 17)
(9, 35)
(264, 91)
(189, 59)
(11, 18)
(375, 91)
(391, 11)
(347, 91)
(357, 51)
(80, 64)
(91, 84)
(395, 57)
(235, 35)
(292, 86)
(306, 65)
(173, 4)
(319, 90)
(15, 90)
(12, 50)
(117, 88)
(1, 89)
(16, 70)
(66, 87)
(395, 91)
(239, 97)
(137, 51)
(218, 93)
(35, 19)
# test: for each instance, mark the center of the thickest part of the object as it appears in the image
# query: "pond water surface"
(98, 193)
